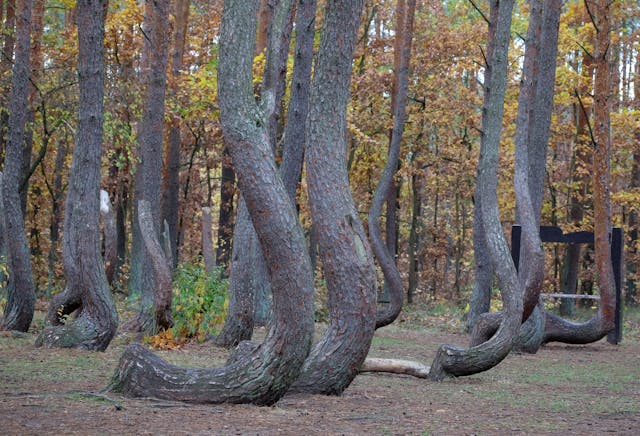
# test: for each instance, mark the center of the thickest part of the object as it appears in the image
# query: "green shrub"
(200, 302)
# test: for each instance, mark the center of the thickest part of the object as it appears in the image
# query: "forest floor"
(592, 389)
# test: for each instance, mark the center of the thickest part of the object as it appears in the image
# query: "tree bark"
(386, 259)
(171, 169)
(18, 311)
(346, 256)
(150, 135)
(5, 66)
(558, 329)
(262, 374)
(87, 284)
(225, 214)
(455, 361)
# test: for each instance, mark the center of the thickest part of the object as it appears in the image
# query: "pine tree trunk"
(256, 374)
(19, 309)
(346, 257)
(87, 284)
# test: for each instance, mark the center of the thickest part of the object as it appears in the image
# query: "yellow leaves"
(165, 340)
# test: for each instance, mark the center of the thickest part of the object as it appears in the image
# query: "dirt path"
(592, 389)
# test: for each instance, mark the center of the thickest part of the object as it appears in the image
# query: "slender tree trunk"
(150, 134)
(456, 361)
(5, 66)
(56, 217)
(87, 283)
(225, 214)
(556, 328)
(346, 257)
(255, 374)
(171, 169)
(414, 234)
(386, 189)
(18, 311)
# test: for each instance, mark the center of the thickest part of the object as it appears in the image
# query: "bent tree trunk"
(346, 257)
(455, 361)
(87, 286)
(535, 106)
(386, 260)
(558, 329)
(262, 374)
(18, 311)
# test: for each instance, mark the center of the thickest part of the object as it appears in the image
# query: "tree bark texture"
(455, 361)
(294, 131)
(239, 323)
(161, 265)
(150, 135)
(18, 311)
(5, 66)
(97, 321)
(171, 169)
(386, 259)
(346, 256)
(225, 214)
(558, 329)
(262, 374)
(484, 270)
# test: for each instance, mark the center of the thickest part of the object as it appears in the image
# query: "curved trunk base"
(247, 379)
(560, 330)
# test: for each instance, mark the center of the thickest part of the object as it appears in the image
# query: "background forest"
(433, 198)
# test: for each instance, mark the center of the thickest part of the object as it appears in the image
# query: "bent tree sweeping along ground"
(563, 389)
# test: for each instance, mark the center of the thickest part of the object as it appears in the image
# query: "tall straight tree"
(262, 374)
(18, 311)
(87, 289)
(171, 168)
(155, 310)
(347, 260)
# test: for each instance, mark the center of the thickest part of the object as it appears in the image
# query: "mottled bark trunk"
(386, 185)
(294, 133)
(558, 329)
(414, 235)
(238, 325)
(37, 19)
(455, 361)
(8, 43)
(18, 311)
(484, 270)
(225, 214)
(261, 374)
(56, 211)
(346, 256)
(171, 169)
(150, 136)
(87, 283)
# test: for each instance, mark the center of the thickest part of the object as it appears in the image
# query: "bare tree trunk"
(386, 259)
(346, 257)
(171, 169)
(150, 135)
(597, 327)
(87, 284)
(256, 374)
(225, 214)
(455, 361)
(5, 66)
(18, 311)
